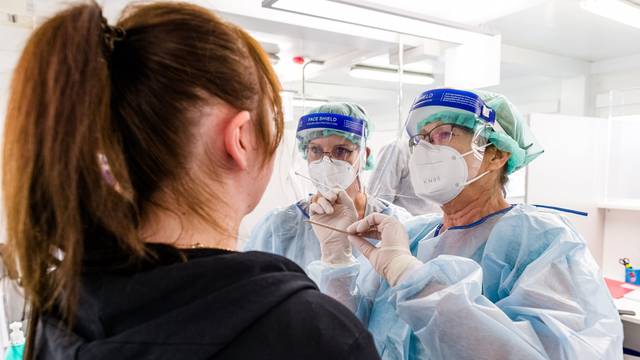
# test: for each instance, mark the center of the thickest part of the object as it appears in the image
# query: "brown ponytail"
(76, 99)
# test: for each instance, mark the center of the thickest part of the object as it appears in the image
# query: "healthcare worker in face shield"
(331, 140)
(485, 280)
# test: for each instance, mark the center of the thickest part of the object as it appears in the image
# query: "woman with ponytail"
(131, 154)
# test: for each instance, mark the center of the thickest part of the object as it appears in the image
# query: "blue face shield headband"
(316, 125)
(350, 127)
(434, 101)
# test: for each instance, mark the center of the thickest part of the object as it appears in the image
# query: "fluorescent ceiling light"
(308, 102)
(422, 66)
(470, 12)
(274, 58)
(313, 65)
(381, 20)
(390, 75)
(617, 10)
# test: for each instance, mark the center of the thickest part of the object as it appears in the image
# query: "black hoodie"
(204, 304)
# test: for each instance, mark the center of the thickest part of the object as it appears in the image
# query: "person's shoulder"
(324, 310)
(334, 328)
(261, 259)
(530, 231)
(535, 220)
(419, 226)
(281, 214)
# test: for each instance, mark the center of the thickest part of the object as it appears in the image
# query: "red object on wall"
(298, 60)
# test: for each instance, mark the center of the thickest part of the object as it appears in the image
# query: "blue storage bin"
(632, 276)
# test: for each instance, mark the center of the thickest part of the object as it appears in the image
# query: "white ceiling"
(561, 27)
(558, 27)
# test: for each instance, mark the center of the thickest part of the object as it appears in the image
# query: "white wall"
(532, 94)
(621, 236)
(622, 239)
(529, 95)
(611, 233)
(566, 174)
(602, 84)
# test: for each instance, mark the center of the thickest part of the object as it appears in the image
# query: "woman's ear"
(237, 138)
(496, 158)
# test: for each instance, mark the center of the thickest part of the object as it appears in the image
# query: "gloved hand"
(322, 202)
(339, 212)
(393, 257)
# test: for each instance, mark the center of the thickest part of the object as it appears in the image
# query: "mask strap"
(481, 175)
(476, 178)
(361, 166)
(479, 147)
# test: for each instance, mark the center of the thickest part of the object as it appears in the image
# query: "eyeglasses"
(339, 152)
(440, 135)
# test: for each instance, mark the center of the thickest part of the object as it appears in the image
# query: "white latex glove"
(338, 212)
(322, 203)
(392, 257)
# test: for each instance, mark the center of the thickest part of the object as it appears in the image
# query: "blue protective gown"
(285, 232)
(517, 284)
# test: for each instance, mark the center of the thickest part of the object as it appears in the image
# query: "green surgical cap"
(510, 134)
(341, 108)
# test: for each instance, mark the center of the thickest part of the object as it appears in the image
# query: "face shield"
(434, 109)
(446, 134)
(331, 151)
